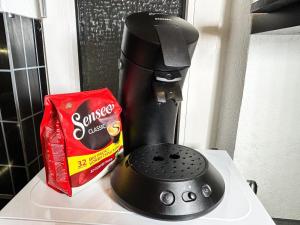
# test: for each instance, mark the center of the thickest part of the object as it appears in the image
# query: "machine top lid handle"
(173, 46)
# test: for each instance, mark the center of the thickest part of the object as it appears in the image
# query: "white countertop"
(38, 204)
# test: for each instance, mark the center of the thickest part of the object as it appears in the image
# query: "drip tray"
(168, 162)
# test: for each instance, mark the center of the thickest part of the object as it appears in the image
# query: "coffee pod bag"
(81, 136)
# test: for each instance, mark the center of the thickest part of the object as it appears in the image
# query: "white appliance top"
(38, 204)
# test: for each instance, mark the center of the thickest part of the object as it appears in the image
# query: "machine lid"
(159, 41)
(142, 25)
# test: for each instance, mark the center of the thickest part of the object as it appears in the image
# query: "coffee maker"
(156, 54)
(158, 178)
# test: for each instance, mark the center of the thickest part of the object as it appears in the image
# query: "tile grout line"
(33, 161)
(24, 167)
(22, 68)
(25, 118)
(21, 126)
(39, 80)
(16, 166)
(6, 196)
(29, 68)
(7, 155)
(8, 121)
(45, 58)
(32, 115)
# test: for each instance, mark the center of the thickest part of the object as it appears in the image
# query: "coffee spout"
(164, 91)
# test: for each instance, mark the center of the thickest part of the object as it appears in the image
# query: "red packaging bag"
(81, 137)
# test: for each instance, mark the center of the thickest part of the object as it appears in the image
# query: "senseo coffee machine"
(156, 54)
(158, 178)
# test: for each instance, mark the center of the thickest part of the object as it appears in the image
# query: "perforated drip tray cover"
(168, 162)
(168, 181)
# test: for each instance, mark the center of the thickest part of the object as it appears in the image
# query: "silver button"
(189, 196)
(167, 198)
(206, 190)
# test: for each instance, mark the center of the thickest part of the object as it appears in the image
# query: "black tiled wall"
(23, 84)
(100, 28)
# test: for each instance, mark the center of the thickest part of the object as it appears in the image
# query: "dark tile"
(7, 102)
(3, 157)
(34, 168)
(41, 160)
(4, 64)
(39, 42)
(35, 90)
(13, 140)
(23, 93)
(19, 177)
(16, 41)
(43, 79)
(37, 122)
(3, 202)
(5, 180)
(29, 139)
(29, 41)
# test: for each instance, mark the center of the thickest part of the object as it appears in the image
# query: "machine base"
(168, 181)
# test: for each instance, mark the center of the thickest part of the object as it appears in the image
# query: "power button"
(189, 196)
(167, 198)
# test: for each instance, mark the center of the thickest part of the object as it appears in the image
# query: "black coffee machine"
(158, 178)
(156, 54)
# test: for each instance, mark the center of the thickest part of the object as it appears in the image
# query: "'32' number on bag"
(81, 164)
